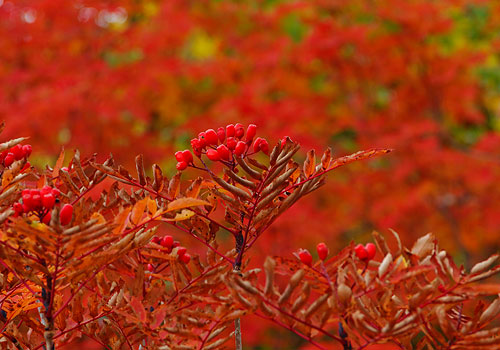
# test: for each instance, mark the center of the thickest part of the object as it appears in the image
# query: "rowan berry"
(176, 244)
(150, 267)
(167, 242)
(187, 156)
(18, 208)
(181, 166)
(264, 146)
(17, 151)
(240, 148)
(322, 250)
(47, 217)
(251, 132)
(156, 240)
(371, 250)
(27, 149)
(211, 137)
(213, 155)
(361, 252)
(224, 152)
(179, 156)
(239, 130)
(9, 159)
(256, 144)
(48, 200)
(181, 251)
(185, 258)
(230, 130)
(66, 214)
(221, 133)
(305, 257)
(231, 143)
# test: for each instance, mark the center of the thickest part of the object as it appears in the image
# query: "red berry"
(231, 143)
(223, 152)
(18, 208)
(322, 250)
(156, 240)
(187, 156)
(211, 137)
(65, 168)
(17, 151)
(240, 148)
(66, 214)
(56, 192)
(47, 217)
(305, 257)
(176, 244)
(221, 133)
(442, 288)
(181, 251)
(185, 258)
(178, 156)
(26, 208)
(230, 130)
(181, 166)
(361, 252)
(213, 155)
(37, 200)
(9, 159)
(48, 200)
(46, 190)
(239, 130)
(264, 146)
(201, 140)
(27, 150)
(370, 250)
(256, 144)
(283, 141)
(167, 242)
(251, 132)
(150, 267)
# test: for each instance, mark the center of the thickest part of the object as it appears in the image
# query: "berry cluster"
(41, 202)
(17, 152)
(168, 244)
(306, 257)
(223, 145)
(365, 253)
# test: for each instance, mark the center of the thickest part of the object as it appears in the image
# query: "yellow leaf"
(182, 203)
(138, 211)
(152, 207)
(183, 215)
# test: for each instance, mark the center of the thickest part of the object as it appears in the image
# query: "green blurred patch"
(346, 139)
(116, 59)
(293, 26)
(200, 46)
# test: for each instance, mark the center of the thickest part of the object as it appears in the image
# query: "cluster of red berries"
(42, 201)
(365, 253)
(168, 243)
(306, 257)
(223, 144)
(17, 152)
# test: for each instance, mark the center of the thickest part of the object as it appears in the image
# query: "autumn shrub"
(82, 255)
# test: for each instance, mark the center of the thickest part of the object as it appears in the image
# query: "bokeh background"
(144, 76)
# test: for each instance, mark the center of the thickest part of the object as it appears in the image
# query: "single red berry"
(47, 217)
(181, 166)
(221, 133)
(45, 190)
(27, 150)
(361, 252)
(201, 140)
(187, 156)
(48, 200)
(37, 200)
(176, 244)
(65, 168)
(223, 152)
(211, 137)
(370, 250)
(66, 214)
(56, 192)
(17, 151)
(9, 159)
(18, 208)
(185, 258)
(240, 148)
(305, 257)
(213, 155)
(167, 242)
(264, 146)
(150, 267)
(283, 141)
(181, 251)
(156, 240)
(251, 132)
(256, 144)
(230, 130)
(178, 156)
(26, 208)
(322, 250)
(239, 130)
(231, 143)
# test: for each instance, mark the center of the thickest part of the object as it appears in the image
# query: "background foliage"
(419, 76)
